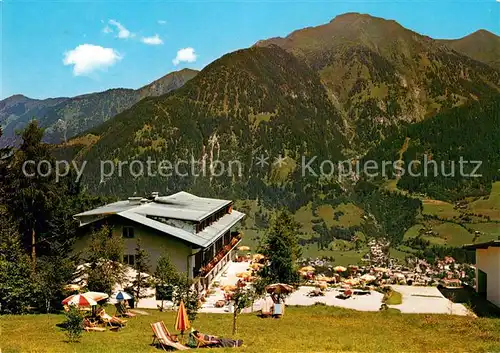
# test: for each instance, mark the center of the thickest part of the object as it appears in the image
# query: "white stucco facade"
(488, 261)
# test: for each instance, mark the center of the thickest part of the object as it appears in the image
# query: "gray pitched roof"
(486, 245)
(183, 206)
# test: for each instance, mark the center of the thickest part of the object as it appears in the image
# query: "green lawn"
(311, 329)
(452, 234)
(413, 232)
(489, 231)
(441, 209)
(490, 205)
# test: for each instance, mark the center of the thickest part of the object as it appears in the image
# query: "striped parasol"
(97, 296)
(79, 300)
(182, 321)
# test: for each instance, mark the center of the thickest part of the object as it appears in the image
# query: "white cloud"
(185, 55)
(107, 29)
(162, 22)
(123, 33)
(153, 40)
(86, 58)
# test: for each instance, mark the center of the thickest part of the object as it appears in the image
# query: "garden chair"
(162, 337)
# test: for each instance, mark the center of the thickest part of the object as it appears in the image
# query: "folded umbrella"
(182, 321)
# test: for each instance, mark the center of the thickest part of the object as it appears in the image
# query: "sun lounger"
(201, 342)
(122, 311)
(112, 321)
(88, 326)
(278, 310)
(343, 296)
(162, 337)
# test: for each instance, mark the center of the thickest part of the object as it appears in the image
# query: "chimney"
(134, 200)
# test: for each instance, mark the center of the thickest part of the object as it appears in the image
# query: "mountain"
(468, 132)
(64, 118)
(358, 84)
(167, 83)
(14, 107)
(257, 101)
(383, 76)
(481, 45)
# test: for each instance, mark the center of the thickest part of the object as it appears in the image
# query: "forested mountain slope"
(384, 76)
(64, 118)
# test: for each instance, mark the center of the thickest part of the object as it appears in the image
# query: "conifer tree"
(141, 266)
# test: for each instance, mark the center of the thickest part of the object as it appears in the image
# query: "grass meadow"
(306, 329)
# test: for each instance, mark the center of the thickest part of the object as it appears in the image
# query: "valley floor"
(302, 329)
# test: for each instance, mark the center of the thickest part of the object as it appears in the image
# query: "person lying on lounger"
(214, 341)
(110, 320)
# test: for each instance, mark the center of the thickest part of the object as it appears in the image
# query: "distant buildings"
(488, 270)
(197, 232)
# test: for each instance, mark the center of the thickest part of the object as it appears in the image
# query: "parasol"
(97, 296)
(79, 300)
(339, 269)
(279, 288)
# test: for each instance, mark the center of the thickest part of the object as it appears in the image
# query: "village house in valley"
(198, 233)
(488, 270)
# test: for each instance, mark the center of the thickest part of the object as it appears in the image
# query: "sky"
(65, 48)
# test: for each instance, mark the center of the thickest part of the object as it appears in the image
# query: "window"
(128, 232)
(129, 260)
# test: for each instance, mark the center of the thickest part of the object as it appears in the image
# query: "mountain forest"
(356, 89)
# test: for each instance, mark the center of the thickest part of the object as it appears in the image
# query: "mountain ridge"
(383, 76)
(66, 117)
(267, 101)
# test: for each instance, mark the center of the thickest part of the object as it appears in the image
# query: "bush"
(73, 326)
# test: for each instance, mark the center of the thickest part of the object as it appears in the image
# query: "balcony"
(222, 257)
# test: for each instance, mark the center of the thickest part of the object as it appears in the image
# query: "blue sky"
(58, 48)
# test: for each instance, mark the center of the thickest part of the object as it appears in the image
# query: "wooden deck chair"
(122, 311)
(162, 337)
(278, 310)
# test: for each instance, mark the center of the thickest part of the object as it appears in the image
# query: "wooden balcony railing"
(205, 270)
